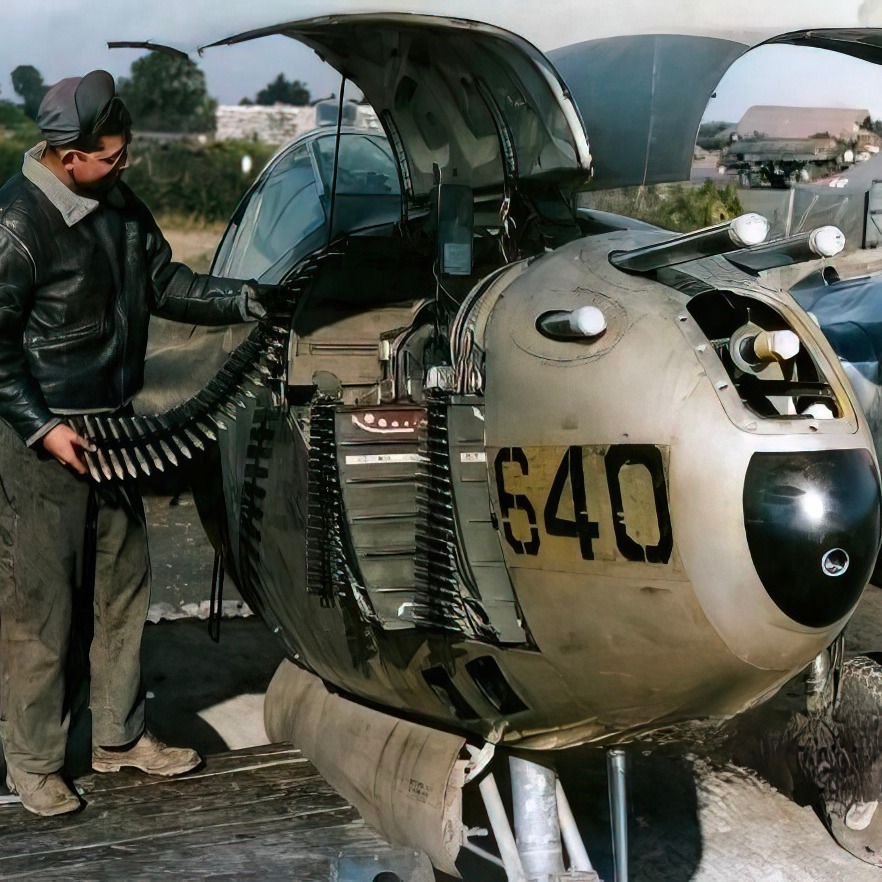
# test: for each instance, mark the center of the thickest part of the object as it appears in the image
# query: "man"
(82, 265)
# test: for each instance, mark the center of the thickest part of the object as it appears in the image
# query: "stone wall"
(277, 124)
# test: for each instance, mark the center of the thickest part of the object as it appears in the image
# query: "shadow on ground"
(664, 833)
(186, 673)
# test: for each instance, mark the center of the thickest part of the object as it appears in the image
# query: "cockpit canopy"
(467, 102)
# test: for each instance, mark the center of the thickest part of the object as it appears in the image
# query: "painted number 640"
(581, 526)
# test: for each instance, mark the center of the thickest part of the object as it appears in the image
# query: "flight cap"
(75, 107)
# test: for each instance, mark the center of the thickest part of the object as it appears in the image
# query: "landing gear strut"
(616, 775)
(544, 826)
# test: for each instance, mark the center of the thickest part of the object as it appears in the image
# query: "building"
(282, 122)
(770, 121)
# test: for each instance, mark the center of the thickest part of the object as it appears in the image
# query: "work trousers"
(43, 516)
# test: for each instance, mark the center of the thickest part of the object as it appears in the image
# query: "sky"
(792, 76)
(64, 38)
(68, 37)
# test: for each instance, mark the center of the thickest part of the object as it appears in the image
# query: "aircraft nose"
(812, 521)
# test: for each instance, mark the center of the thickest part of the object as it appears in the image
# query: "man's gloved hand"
(263, 300)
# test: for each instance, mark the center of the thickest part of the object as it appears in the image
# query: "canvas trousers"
(44, 509)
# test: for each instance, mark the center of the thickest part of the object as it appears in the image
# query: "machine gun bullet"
(179, 442)
(205, 430)
(154, 456)
(167, 452)
(116, 464)
(90, 464)
(193, 439)
(127, 461)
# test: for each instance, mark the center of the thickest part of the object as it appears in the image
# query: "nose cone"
(812, 521)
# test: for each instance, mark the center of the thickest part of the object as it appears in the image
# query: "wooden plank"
(251, 814)
(271, 787)
(215, 764)
(251, 849)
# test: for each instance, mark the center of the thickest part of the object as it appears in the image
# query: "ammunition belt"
(128, 447)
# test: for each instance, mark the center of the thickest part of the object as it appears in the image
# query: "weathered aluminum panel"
(661, 60)
(642, 388)
(476, 525)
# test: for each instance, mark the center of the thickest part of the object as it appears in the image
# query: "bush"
(17, 134)
(709, 135)
(13, 119)
(202, 183)
(677, 207)
(195, 183)
(11, 155)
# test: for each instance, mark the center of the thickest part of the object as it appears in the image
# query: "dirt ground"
(697, 813)
(181, 555)
(193, 246)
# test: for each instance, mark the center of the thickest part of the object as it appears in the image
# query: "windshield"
(290, 202)
(365, 166)
(281, 212)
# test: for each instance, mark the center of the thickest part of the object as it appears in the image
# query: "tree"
(29, 86)
(166, 93)
(709, 134)
(283, 91)
(872, 125)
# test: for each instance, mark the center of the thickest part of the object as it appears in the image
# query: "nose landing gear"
(544, 827)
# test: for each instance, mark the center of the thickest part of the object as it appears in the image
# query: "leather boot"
(42, 794)
(149, 755)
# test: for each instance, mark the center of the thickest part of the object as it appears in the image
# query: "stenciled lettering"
(571, 471)
(515, 501)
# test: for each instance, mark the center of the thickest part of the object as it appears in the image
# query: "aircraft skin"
(559, 24)
(500, 531)
(571, 541)
(848, 313)
(452, 511)
(661, 60)
(652, 610)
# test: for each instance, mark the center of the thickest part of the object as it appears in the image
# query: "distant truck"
(779, 162)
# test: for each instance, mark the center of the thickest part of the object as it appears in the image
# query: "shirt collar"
(72, 206)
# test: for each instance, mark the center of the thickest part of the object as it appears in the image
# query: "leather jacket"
(75, 304)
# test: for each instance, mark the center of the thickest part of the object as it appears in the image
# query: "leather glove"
(264, 300)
